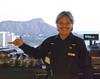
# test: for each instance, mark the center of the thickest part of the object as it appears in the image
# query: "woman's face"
(64, 25)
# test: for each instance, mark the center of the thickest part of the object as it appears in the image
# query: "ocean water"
(87, 32)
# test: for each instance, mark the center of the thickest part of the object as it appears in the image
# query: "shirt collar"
(71, 36)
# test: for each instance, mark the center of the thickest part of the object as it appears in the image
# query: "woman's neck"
(64, 36)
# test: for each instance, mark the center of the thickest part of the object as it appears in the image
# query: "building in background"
(6, 37)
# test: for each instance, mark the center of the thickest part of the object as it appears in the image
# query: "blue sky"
(86, 12)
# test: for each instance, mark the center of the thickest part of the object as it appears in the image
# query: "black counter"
(31, 73)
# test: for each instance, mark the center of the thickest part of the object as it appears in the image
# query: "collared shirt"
(67, 56)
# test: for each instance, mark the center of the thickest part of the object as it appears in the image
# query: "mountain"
(33, 27)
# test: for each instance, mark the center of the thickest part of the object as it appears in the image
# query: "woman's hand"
(17, 42)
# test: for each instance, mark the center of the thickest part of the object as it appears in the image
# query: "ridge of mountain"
(32, 27)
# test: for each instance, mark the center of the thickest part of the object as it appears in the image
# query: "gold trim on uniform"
(70, 47)
(71, 54)
(73, 44)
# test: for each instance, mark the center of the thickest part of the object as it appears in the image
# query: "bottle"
(43, 64)
(7, 59)
(2, 55)
(34, 61)
(13, 60)
(20, 60)
(27, 61)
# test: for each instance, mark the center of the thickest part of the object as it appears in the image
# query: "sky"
(86, 12)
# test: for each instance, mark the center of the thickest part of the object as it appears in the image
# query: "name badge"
(71, 54)
(47, 60)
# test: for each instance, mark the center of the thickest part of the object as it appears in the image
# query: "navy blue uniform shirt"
(67, 57)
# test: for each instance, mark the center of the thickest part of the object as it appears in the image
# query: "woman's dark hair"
(65, 13)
